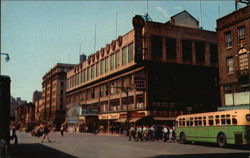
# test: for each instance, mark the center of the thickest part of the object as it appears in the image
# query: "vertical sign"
(138, 23)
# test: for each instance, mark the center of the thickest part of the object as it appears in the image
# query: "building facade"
(52, 108)
(151, 74)
(234, 44)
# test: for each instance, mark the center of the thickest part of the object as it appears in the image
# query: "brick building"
(156, 72)
(53, 95)
(234, 44)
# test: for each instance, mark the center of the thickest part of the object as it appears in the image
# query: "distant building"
(152, 74)
(14, 103)
(234, 45)
(36, 99)
(53, 94)
(36, 96)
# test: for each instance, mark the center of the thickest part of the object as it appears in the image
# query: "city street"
(102, 146)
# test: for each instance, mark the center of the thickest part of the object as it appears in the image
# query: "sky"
(39, 34)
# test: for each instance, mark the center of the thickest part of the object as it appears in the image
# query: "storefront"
(72, 118)
(107, 122)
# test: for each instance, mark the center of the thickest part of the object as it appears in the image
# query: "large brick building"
(157, 71)
(234, 44)
(53, 95)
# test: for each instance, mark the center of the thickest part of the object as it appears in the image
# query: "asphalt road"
(104, 146)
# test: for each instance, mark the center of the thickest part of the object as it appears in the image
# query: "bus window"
(211, 120)
(223, 121)
(200, 122)
(227, 115)
(204, 122)
(234, 121)
(228, 121)
(217, 121)
(196, 121)
(188, 122)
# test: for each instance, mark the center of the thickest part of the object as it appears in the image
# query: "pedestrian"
(45, 133)
(139, 133)
(132, 133)
(173, 134)
(145, 133)
(14, 136)
(62, 130)
(165, 134)
(151, 132)
(170, 135)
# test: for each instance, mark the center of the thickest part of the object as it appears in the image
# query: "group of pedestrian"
(152, 133)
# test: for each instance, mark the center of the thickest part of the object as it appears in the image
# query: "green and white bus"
(222, 127)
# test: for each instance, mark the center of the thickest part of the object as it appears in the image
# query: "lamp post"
(7, 58)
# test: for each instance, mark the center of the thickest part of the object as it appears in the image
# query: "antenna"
(115, 24)
(80, 48)
(219, 10)
(147, 8)
(95, 39)
(146, 16)
(201, 12)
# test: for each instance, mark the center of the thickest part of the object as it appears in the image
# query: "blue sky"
(39, 34)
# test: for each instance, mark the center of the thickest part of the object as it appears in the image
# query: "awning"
(134, 119)
(165, 118)
(121, 120)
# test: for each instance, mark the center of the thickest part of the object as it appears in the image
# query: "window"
(213, 53)
(223, 120)
(112, 63)
(217, 119)
(130, 53)
(92, 71)
(228, 39)
(97, 69)
(96, 90)
(187, 51)
(200, 52)
(241, 33)
(85, 75)
(124, 56)
(156, 43)
(102, 67)
(211, 120)
(89, 73)
(230, 67)
(171, 48)
(117, 59)
(234, 121)
(106, 64)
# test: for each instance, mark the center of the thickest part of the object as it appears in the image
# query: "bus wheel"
(221, 140)
(183, 138)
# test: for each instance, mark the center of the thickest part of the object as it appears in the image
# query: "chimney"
(83, 57)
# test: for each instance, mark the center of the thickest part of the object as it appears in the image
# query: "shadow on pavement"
(217, 155)
(36, 151)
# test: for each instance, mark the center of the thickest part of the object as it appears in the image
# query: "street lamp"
(7, 58)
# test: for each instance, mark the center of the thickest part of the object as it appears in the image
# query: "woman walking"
(45, 133)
